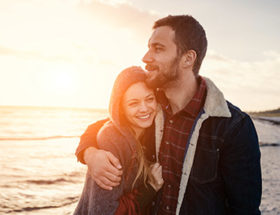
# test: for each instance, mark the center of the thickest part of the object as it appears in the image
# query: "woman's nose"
(143, 107)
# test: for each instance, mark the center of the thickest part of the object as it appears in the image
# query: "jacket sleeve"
(129, 202)
(89, 139)
(94, 199)
(241, 170)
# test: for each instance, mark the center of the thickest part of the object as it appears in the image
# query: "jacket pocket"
(204, 169)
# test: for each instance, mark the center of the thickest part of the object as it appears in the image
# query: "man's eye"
(158, 49)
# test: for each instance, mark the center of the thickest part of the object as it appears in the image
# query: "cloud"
(122, 15)
(213, 55)
(89, 31)
(32, 55)
(7, 51)
(112, 2)
(251, 85)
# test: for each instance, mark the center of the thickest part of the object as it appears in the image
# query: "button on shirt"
(172, 150)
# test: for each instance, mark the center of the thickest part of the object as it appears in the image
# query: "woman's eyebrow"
(151, 94)
(133, 99)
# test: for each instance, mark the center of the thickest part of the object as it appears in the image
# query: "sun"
(63, 81)
(59, 79)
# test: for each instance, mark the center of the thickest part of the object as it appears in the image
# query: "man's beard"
(163, 78)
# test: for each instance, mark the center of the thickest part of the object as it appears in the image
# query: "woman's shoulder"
(108, 127)
(109, 136)
(110, 139)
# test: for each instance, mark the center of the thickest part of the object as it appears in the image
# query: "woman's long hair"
(143, 164)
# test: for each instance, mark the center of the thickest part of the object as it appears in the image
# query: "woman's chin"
(143, 123)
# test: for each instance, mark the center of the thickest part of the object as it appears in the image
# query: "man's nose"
(147, 57)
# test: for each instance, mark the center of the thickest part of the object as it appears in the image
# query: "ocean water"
(39, 173)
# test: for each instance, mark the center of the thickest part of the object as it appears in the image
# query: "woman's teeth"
(144, 117)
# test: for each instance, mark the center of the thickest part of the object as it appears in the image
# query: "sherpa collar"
(215, 103)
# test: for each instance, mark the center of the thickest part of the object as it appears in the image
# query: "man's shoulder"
(239, 119)
(236, 112)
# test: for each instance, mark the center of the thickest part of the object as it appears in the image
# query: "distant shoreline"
(268, 113)
(272, 119)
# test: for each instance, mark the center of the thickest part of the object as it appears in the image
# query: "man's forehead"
(162, 34)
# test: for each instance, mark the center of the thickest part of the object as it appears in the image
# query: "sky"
(68, 52)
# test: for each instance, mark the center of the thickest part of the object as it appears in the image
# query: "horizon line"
(55, 107)
(97, 108)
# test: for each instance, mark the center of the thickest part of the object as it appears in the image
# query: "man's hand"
(105, 169)
(155, 176)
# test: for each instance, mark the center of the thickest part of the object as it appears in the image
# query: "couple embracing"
(172, 143)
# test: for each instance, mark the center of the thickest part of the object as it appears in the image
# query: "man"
(209, 153)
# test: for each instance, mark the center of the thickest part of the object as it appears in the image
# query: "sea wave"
(35, 138)
(272, 120)
(55, 204)
(269, 144)
(47, 182)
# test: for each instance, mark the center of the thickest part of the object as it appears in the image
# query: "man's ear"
(188, 59)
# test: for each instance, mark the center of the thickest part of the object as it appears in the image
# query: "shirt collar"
(195, 104)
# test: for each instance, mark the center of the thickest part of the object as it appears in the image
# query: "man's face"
(161, 58)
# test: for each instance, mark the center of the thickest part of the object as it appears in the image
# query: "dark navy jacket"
(226, 176)
(221, 172)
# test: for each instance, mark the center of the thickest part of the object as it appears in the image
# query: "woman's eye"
(132, 104)
(151, 99)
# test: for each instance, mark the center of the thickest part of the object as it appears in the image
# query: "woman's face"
(139, 105)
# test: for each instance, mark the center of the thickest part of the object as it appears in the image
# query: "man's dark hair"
(189, 35)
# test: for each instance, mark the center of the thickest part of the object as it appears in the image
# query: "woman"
(132, 110)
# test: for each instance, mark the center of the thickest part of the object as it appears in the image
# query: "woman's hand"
(155, 176)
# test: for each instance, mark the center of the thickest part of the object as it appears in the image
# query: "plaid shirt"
(172, 150)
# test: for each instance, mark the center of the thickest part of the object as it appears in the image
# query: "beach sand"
(270, 161)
